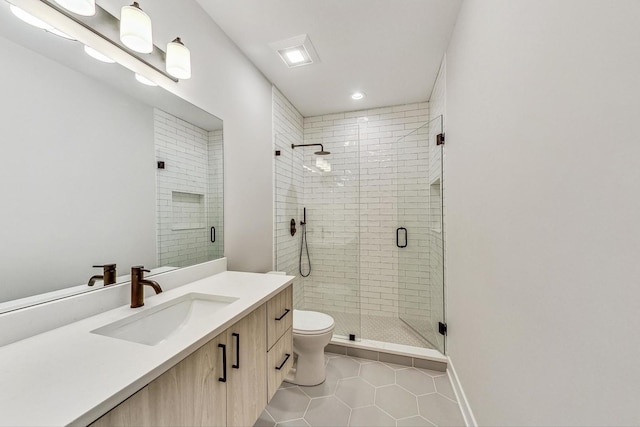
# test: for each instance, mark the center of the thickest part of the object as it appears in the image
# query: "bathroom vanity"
(209, 352)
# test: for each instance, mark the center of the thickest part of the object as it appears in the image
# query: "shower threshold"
(399, 354)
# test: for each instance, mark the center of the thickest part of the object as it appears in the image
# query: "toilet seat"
(311, 322)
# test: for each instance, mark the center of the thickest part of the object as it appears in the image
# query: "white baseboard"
(467, 413)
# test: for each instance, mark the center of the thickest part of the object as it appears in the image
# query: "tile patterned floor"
(360, 392)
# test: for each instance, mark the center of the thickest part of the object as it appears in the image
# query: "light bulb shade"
(178, 60)
(144, 80)
(135, 29)
(80, 7)
(97, 55)
(29, 18)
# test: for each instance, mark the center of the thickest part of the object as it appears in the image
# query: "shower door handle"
(406, 237)
(213, 234)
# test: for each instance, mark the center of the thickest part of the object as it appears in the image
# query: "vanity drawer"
(279, 362)
(279, 315)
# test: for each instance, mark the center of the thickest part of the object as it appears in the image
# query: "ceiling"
(388, 49)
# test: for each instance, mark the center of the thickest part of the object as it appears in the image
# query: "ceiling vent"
(296, 51)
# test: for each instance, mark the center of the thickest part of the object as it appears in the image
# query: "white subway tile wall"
(215, 164)
(186, 204)
(288, 188)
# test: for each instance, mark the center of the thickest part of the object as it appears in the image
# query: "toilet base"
(308, 370)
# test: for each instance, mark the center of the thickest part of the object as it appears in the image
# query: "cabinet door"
(190, 394)
(247, 369)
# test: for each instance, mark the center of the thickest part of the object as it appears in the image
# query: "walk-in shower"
(373, 223)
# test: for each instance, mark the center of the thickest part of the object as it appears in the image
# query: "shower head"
(317, 153)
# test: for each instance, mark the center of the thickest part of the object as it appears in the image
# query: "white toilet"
(312, 331)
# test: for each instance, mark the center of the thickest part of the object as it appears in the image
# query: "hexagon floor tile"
(355, 392)
(396, 401)
(366, 393)
(415, 381)
(378, 374)
(327, 411)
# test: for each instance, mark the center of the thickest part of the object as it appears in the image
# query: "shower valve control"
(292, 227)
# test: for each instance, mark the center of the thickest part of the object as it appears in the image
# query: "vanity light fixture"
(135, 29)
(108, 39)
(357, 95)
(144, 80)
(80, 7)
(38, 23)
(97, 55)
(178, 59)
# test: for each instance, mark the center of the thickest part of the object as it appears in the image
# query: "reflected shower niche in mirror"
(97, 169)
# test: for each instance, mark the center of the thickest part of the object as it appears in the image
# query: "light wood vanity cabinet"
(192, 393)
(247, 383)
(279, 339)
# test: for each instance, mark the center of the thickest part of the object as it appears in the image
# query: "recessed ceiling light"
(357, 95)
(144, 80)
(294, 56)
(296, 51)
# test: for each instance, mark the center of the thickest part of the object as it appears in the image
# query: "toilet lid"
(310, 322)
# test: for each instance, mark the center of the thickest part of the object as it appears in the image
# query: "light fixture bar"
(100, 32)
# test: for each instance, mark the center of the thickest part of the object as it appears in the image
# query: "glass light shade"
(144, 80)
(80, 7)
(178, 60)
(28, 18)
(97, 55)
(60, 34)
(36, 22)
(135, 29)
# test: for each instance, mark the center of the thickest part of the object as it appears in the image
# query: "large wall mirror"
(97, 169)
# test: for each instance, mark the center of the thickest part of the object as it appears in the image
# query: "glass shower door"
(419, 233)
(323, 253)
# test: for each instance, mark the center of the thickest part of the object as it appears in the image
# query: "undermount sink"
(157, 324)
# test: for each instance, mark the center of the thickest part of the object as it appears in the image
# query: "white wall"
(69, 173)
(227, 85)
(542, 173)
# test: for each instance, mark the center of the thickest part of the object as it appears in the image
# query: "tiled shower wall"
(359, 203)
(288, 188)
(215, 164)
(189, 197)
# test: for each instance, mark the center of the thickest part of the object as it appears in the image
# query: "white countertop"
(72, 376)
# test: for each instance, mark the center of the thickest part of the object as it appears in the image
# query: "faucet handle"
(140, 268)
(106, 267)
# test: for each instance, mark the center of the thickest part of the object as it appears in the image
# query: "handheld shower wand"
(304, 243)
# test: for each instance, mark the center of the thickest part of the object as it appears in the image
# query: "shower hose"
(304, 244)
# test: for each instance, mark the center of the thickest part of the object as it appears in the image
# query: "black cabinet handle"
(286, 311)
(213, 235)
(223, 378)
(406, 237)
(237, 364)
(286, 357)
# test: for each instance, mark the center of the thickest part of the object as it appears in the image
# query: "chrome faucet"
(108, 275)
(137, 286)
